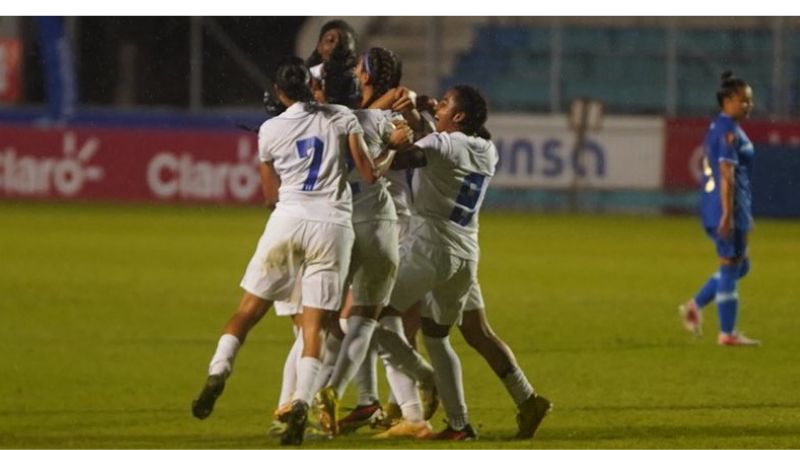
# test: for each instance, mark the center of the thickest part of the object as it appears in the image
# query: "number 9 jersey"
(307, 145)
(449, 190)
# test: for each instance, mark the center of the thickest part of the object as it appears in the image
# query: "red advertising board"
(10, 69)
(683, 147)
(129, 164)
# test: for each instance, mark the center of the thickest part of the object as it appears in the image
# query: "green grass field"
(110, 315)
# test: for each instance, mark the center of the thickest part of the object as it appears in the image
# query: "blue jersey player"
(726, 210)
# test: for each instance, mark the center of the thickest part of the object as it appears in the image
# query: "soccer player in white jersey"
(378, 72)
(303, 175)
(441, 257)
(375, 253)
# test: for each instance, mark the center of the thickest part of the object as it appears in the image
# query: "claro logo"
(172, 175)
(65, 175)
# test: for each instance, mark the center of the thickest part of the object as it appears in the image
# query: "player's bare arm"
(270, 183)
(361, 158)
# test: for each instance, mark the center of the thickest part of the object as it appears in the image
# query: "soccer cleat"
(281, 413)
(360, 416)
(692, 318)
(405, 429)
(530, 415)
(736, 339)
(204, 403)
(328, 407)
(451, 434)
(296, 422)
(429, 398)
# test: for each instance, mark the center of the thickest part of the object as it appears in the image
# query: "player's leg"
(328, 247)
(475, 327)
(732, 253)
(260, 283)
(376, 251)
(416, 276)
(289, 379)
(440, 312)
(251, 309)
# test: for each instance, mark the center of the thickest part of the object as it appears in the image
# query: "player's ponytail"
(293, 78)
(730, 85)
(469, 100)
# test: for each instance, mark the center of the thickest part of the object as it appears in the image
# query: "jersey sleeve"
(264, 153)
(727, 144)
(349, 122)
(434, 143)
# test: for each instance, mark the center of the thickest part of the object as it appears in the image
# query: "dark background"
(162, 59)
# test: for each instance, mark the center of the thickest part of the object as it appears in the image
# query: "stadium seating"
(624, 67)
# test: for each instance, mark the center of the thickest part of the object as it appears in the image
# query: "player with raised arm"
(726, 210)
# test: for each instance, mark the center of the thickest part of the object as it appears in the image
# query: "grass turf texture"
(111, 313)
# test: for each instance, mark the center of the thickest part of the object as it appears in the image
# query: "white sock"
(403, 386)
(449, 381)
(332, 347)
(307, 373)
(517, 385)
(366, 377)
(222, 361)
(400, 354)
(354, 349)
(412, 412)
(290, 371)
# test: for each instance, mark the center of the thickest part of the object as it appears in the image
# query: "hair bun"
(727, 75)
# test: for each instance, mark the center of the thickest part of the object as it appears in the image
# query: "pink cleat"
(737, 339)
(692, 318)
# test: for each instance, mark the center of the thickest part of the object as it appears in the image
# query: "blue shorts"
(732, 248)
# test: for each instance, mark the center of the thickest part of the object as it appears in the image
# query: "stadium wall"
(631, 164)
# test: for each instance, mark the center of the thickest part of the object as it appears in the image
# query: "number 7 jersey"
(449, 190)
(307, 145)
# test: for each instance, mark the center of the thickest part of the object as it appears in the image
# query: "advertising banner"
(683, 147)
(538, 152)
(129, 164)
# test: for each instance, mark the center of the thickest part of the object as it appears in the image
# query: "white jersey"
(307, 145)
(400, 190)
(372, 201)
(450, 189)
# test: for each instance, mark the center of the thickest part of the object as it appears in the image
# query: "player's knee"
(744, 267)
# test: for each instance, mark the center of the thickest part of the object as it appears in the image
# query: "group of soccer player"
(374, 235)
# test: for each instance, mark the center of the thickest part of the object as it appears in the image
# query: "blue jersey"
(726, 142)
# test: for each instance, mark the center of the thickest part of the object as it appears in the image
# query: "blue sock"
(727, 301)
(707, 292)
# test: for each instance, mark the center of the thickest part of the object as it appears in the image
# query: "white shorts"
(425, 269)
(474, 298)
(291, 306)
(373, 265)
(322, 249)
